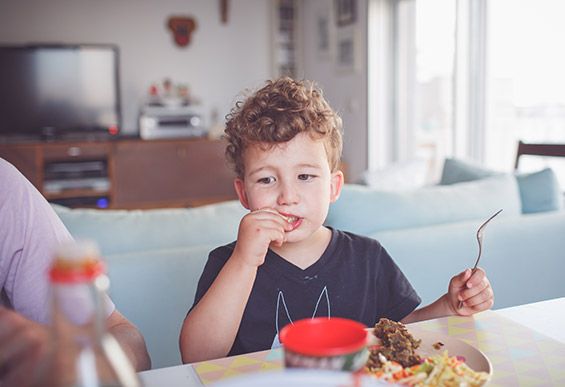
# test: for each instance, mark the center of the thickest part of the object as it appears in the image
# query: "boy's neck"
(305, 253)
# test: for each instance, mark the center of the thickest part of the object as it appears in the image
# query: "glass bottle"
(83, 352)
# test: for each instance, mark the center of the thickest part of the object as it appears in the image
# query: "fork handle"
(460, 304)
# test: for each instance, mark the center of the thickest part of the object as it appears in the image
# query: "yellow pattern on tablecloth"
(237, 365)
(519, 355)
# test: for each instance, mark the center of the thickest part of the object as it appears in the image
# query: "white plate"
(300, 377)
(474, 358)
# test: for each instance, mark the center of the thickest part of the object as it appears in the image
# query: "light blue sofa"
(155, 257)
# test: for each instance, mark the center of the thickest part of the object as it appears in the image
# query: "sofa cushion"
(539, 191)
(364, 210)
(398, 176)
(154, 290)
(524, 249)
(118, 231)
(458, 171)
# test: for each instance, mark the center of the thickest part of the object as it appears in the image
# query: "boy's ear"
(337, 181)
(240, 190)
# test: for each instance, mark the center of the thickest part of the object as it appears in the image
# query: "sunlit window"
(525, 80)
(473, 77)
(435, 45)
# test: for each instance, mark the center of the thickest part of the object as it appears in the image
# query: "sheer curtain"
(526, 81)
(467, 78)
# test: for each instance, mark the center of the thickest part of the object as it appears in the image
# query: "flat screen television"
(59, 91)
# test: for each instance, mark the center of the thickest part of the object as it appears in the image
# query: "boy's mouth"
(293, 220)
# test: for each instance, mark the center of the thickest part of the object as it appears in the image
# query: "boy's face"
(293, 178)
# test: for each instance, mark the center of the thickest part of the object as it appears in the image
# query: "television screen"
(59, 90)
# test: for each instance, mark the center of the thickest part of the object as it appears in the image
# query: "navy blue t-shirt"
(354, 278)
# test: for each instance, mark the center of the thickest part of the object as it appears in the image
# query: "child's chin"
(294, 236)
(298, 235)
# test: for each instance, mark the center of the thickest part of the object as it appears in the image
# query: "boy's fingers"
(274, 232)
(476, 294)
(459, 280)
(269, 210)
(280, 221)
(477, 277)
(262, 220)
(481, 302)
(269, 214)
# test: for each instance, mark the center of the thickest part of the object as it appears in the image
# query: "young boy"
(285, 144)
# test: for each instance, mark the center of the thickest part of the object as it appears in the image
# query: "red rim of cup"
(324, 336)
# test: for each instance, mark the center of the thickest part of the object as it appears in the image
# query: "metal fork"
(480, 234)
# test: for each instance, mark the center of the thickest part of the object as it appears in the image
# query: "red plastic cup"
(325, 343)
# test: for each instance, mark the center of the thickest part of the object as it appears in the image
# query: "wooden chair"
(551, 150)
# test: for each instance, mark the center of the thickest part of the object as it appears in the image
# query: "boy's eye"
(305, 177)
(266, 180)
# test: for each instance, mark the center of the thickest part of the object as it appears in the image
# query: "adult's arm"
(130, 339)
(24, 344)
(31, 231)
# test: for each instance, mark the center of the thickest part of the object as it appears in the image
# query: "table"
(526, 345)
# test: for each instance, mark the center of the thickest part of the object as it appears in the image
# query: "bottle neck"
(79, 310)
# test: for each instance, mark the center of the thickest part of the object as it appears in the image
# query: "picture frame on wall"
(345, 12)
(325, 33)
(347, 50)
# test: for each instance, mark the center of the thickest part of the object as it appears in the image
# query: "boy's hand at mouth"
(257, 230)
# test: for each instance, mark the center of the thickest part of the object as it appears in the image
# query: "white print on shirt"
(278, 321)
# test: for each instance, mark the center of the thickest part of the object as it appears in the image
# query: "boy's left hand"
(473, 289)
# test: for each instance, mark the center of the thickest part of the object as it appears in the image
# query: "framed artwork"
(345, 12)
(347, 50)
(324, 33)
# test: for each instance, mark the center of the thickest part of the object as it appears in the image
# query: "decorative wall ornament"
(182, 28)
(345, 12)
(347, 36)
(224, 8)
(325, 33)
(347, 49)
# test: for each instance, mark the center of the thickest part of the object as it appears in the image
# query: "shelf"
(135, 173)
(182, 203)
(78, 193)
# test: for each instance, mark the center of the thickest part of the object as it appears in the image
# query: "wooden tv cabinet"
(139, 173)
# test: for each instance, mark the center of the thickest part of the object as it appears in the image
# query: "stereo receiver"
(170, 122)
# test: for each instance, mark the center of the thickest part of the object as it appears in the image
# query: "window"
(470, 78)
(415, 87)
(526, 81)
(434, 68)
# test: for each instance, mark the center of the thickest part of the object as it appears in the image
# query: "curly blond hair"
(275, 114)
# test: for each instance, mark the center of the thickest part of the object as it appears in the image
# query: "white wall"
(221, 61)
(346, 91)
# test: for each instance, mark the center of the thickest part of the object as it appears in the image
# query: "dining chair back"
(544, 150)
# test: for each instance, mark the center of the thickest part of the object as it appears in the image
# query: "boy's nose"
(288, 195)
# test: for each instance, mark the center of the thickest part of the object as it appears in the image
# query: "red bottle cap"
(75, 262)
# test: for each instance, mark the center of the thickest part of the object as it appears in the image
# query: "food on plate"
(396, 344)
(438, 345)
(396, 360)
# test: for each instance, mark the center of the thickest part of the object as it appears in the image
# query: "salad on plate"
(394, 357)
